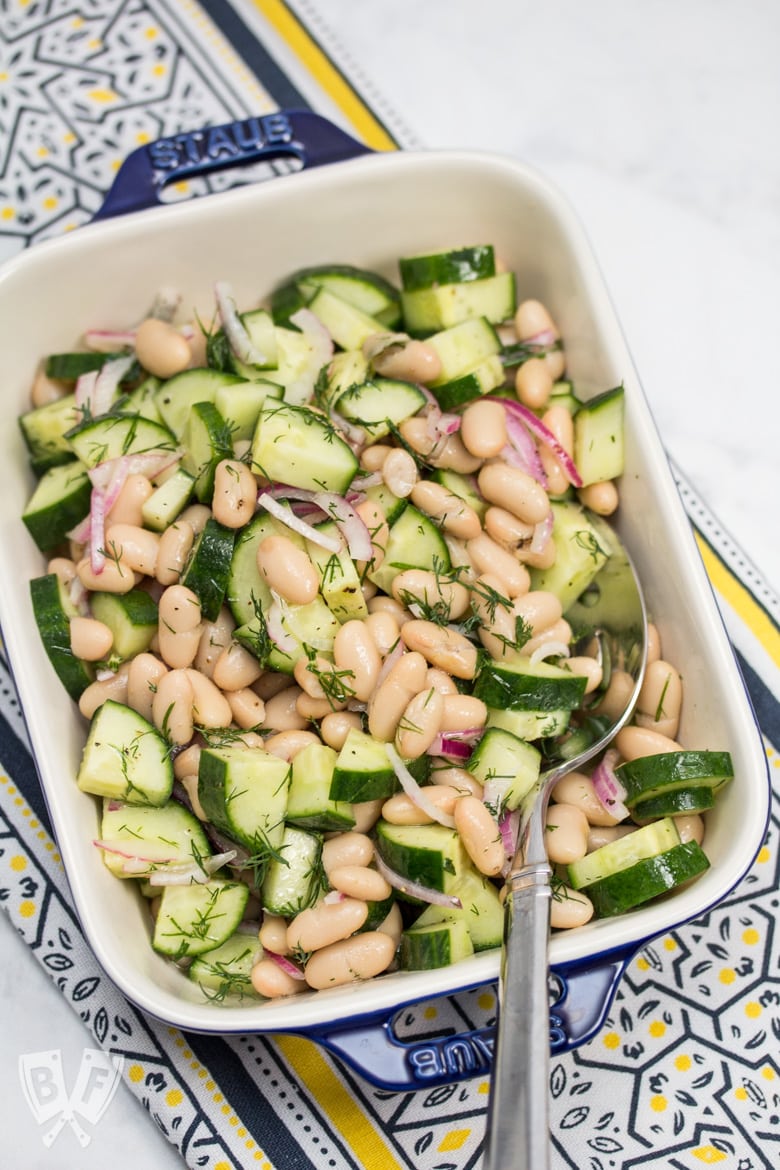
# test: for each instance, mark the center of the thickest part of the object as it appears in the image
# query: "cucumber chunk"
(581, 550)
(226, 971)
(168, 500)
(207, 441)
(530, 725)
(463, 347)
(483, 379)
(655, 776)
(431, 855)
(339, 580)
(429, 310)
(598, 437)
(52, 610)
(414, 543)
(624, 852)
(292, 881)
(505, 760)
(379, 404)
(178, 395)
(453, 267)
(310, 805)
(207, 572)
(167, 836)
(366, 290)
(44, 429)
(113, 435)
(438, 944)
(60, 501)
(197, 918)
(348, 326)
(480, 911)
(125, 758)
(243, 792)
(297, 446)
(132, 619)
(647, 879)
(522, 685)
(675, 803)
(362, 770)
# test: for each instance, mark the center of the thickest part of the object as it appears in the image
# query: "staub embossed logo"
(224, 144)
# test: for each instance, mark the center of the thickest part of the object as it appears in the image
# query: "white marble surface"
(659, 123)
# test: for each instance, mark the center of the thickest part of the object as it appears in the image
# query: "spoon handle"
(517, 1134)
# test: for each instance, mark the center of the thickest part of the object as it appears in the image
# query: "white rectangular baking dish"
(366, 211)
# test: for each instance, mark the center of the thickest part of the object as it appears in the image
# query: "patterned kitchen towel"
(685, 1070)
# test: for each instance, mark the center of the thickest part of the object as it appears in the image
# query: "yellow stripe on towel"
(329, 77)
(741, 601)
(335, 1100)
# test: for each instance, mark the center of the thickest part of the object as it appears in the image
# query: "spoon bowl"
(609, 623)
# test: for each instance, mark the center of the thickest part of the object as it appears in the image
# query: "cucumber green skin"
(221, 905)
(647, 879)
(49, 524)
(434, 858)
(480, 910)
(289, 297)
(453, 267)
(228, 966)
(426, 947)
(68, 367)
(377, 913)
(207, 572)
(355, 786)
(53, 622)
(678, 802)
(502, 688)
(652, 776)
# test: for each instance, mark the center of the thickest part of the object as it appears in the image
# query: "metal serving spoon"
(611, 616)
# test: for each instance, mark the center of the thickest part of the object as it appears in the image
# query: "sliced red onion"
(130, 852)
(107, 383)
(542, 534)
(414, 889)
(349, 524)
(235, 330)
(543, 339)
(165, 304)
(275, 627)
(109, 340)
(355, 436)
(285, 964)
(494, 792)
(521, 451)
(509, 828)
(97, 530)
(414, 792)
(439, 425)
(608, 788)
(333, 897)
(79, 596)
(544, 435)
(550, 650)
(454, 747)
(393, 656)
(80, 534)
(361, 483)
(288, 517)
(300, 389)
(196, 873)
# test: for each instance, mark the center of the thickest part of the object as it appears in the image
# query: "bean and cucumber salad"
(309, 566)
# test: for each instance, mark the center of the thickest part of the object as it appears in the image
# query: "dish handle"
(580, 997)
(300, 134)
